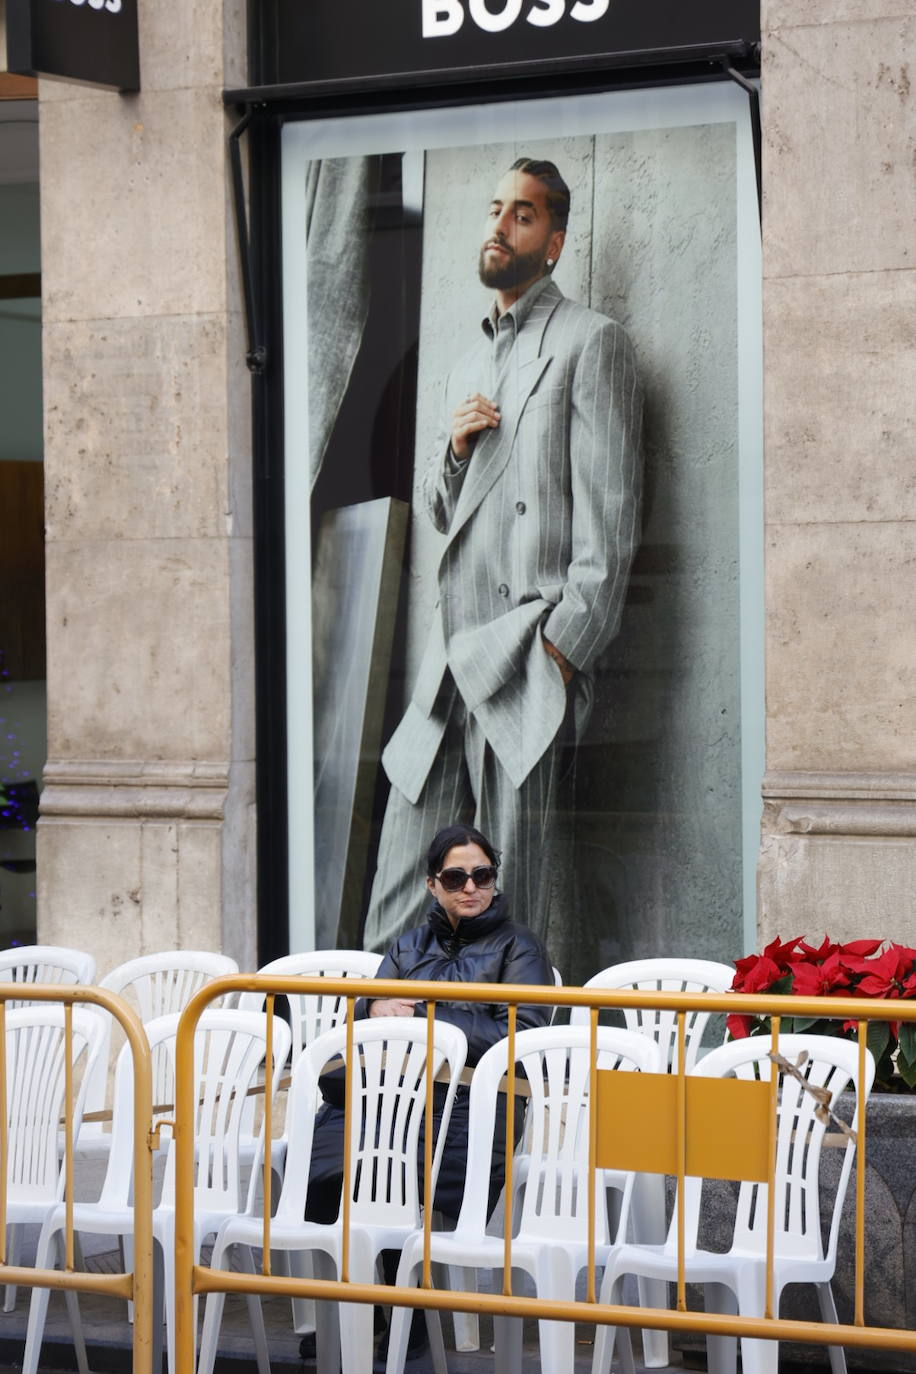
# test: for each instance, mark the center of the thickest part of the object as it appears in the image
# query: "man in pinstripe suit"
(536, 486)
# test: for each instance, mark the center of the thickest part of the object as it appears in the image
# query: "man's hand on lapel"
(475, 413)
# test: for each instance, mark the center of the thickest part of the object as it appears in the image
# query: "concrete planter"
(890, 1237)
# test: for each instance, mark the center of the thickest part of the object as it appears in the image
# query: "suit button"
(503, 589)
(520, 507)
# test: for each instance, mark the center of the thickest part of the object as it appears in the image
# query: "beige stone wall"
(839, 827)
(147, 836)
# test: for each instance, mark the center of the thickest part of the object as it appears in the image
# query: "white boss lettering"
(494, 23)
(588, 10)
(546, 12)
(440, 17)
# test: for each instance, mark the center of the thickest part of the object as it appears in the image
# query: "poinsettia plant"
(861, 968)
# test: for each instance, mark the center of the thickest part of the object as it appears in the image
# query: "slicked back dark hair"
(448, 837)
(558, 196)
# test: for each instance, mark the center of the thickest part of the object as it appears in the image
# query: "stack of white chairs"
(36, 1059)
(388, 1093)
(647, 1216)
(45, 964)
(160, 984)
(310, 1015)
(42, 964)
(230, 1060)
(551, 1242)
(736, 1280)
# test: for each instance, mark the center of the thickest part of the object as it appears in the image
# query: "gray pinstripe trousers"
(467, 783)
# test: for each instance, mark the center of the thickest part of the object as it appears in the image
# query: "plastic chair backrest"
(45, 964)
(35, 1093)
(230, 1048)
(313, 1014)
(556, 1062)
(663, 975)
(388, 1090)
(832, 1063)
(160, 984)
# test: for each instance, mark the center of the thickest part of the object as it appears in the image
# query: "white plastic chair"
(551, 1244)
(738, 1277)
(310, 1015)
(466, 1324)
(35, 1088)
(159, 984)
(388, 1093)
(230, 1055)
(45, 964)
(647, 1214)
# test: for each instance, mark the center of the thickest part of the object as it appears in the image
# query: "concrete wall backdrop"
(839, 828)
(147, 836)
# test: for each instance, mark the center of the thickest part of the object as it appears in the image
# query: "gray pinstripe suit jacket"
(541, 522)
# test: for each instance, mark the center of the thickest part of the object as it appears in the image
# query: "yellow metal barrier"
(668, 1099)
(138, 1285)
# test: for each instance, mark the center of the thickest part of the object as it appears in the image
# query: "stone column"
(839, 828)
(147, 835)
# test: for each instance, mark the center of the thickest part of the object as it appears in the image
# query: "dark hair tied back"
(558, 197)
(451, 835)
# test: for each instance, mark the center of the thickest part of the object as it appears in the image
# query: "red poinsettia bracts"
(859, 968)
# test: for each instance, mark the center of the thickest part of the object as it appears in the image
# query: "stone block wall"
(839, 826)
(147, 833)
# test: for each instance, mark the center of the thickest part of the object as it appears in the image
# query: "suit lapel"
(494, 447)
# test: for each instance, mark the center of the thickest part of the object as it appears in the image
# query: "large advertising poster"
(522, 362)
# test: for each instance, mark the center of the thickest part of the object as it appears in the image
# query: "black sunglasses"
(454, 879)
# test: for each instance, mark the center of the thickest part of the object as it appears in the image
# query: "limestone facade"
(838, 850)
(147, 836)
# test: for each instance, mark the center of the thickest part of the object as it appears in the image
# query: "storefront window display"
(524, 560)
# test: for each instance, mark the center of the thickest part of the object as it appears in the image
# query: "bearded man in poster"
(536, 488)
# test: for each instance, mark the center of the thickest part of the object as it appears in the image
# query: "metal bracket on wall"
(753, 95)
(256, 355)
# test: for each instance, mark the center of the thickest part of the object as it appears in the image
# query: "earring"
(550, 262)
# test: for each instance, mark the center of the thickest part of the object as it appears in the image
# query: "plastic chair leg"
(255, 1314)
(467, 1326)
(213, 1316)
(327, 1319)
(507, 1332)
(14, 1249)
(76, 1328)
(436, 1343)
(555, 1279)
(38, 1307)
(829, 1314)
(757, 1356)
(647, 1214)
(605, 1336)
(721, 1351)
(295, 1262)
(399, 1326)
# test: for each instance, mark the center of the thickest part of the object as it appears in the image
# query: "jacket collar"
(519, 310)
(470, 928)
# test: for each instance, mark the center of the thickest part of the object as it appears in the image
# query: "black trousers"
(326, 1169)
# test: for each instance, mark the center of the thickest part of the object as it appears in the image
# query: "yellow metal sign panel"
(727, 1124)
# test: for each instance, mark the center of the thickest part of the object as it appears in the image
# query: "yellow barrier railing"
(138, 1284)
(192, 1278)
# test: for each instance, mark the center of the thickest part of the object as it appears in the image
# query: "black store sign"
(344, 41)
(93, 41)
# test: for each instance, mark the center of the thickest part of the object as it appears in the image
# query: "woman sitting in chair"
(467, 937)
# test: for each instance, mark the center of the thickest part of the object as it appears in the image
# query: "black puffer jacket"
(489, 948)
